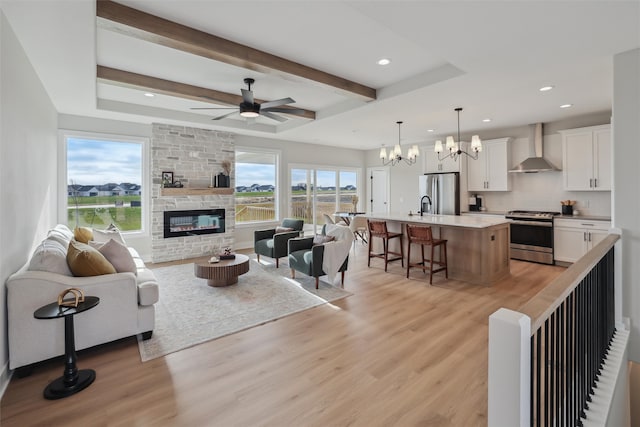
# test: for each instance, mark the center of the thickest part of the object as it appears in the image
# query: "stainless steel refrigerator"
(440, 193)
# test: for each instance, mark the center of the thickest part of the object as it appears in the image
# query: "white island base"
(477, 247)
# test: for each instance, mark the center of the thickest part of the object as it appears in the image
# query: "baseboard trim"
(5, 377)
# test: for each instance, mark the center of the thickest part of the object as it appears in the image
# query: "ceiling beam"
(167, 87)
(132, 22)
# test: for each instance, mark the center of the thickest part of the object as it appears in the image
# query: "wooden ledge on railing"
(195, 191)
(540, 307)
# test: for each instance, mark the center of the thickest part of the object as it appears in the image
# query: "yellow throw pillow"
(84, 260)
(83, 234)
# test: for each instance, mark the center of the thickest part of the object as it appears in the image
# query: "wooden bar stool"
(422, 235)
(379, 229)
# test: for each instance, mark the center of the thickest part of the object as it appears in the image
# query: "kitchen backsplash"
(543, 191)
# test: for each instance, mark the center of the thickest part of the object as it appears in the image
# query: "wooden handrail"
(540, 307)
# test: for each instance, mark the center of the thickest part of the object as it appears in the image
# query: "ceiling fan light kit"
(455, 148)
(250, 109)
(395, 154)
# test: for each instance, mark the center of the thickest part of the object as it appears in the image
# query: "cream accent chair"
(358, 226)
(328, 219)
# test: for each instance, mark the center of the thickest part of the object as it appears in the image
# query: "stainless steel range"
(532, 235)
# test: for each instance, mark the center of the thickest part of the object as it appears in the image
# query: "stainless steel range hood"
(536, 163)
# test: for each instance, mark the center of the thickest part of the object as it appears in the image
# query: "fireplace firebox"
(193, 222)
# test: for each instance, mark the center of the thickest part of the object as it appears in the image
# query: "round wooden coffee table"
(223, 273)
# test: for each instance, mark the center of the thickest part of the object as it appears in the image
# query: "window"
(315, 192)
(256, 185)
(104, 181)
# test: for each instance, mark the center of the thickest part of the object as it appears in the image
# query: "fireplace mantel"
(194, 191)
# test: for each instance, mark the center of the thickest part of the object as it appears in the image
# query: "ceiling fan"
(251, 109)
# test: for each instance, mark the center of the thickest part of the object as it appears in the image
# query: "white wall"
(626, 181)
(28, 186)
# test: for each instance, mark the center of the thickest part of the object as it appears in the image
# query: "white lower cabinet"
(572, 238)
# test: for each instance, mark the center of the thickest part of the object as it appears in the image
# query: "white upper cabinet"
(586, 157)
(491, 171)
(432, 164)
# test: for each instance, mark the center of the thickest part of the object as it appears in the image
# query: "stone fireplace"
(194, 156)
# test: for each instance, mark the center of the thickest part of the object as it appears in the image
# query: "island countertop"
(477, 246)
(442, 220)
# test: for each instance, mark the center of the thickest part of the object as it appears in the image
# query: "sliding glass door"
(319, 191)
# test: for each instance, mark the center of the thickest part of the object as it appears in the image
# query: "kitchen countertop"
(468, 221)
(584, 217)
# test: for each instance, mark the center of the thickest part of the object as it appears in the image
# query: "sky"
(95, 162)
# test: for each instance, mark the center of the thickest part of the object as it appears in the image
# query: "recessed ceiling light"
(566, 105)
(486, 120)
(430, 130)
(150, 95)
(384, 61)
(545, 88)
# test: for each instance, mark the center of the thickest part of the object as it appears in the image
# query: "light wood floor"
(397, 352)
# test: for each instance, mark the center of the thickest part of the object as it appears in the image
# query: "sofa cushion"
(50, 256)
(118, 255)
(283, 229)
(111, 232)
(86, 261)
(82, 234)
(62, 234)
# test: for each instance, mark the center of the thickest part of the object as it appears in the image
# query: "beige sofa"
(126, 305)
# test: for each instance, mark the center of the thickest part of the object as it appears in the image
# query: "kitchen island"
(477, 246)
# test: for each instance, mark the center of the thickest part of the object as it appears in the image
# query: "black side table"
(72, 380)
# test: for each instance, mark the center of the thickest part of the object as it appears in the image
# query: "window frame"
(315, 169)
(276, 192)
(64, 134)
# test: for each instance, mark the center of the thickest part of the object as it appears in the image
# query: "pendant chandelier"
(455, 148)
(395, 154)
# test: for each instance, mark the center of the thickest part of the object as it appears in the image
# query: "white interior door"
(378, 189)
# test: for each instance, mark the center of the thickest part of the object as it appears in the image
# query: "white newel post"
(509, 369)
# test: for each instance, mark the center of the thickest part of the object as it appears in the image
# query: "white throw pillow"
(50, 256)
(61, 233)
(118, 255)
(111, 232)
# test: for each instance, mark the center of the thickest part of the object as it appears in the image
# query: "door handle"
(589, 236)
(584, 236)
(590, 182)
(595, 182)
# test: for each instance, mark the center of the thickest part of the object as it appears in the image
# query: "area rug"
(189, 312)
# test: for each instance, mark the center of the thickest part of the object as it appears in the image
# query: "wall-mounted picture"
(167, 178)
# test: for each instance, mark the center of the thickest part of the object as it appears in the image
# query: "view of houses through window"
(315, 192)
(104, 183)
(256, 192)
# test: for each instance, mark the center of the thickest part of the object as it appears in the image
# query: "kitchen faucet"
(421, 202)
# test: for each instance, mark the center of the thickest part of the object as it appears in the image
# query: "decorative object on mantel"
(223, 180)
(455, 147)
(167, 179)
(190, 191)
(395, 155)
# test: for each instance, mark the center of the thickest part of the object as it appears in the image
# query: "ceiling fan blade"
(272, 116)
(225, 115)
(298, 111)
(276, 103)
(213, 108)
(247, 96)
